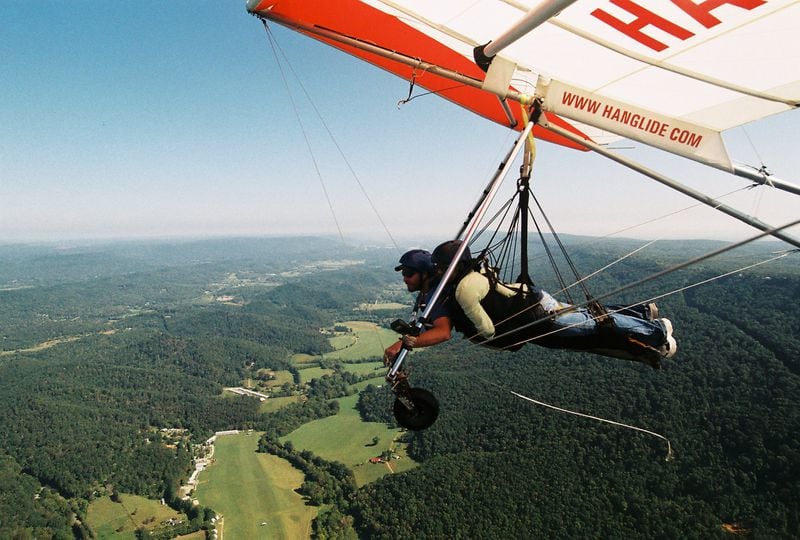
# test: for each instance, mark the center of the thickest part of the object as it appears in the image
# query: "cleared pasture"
(393, 306)
(366, 368)
(306, 374)
(299, 359)
(119, 520)
(343, 341)
(274, 403)
(344, 437)
(281, 377)
(370, 341)
(254, 492)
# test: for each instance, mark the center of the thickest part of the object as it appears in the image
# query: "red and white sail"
(673, 74)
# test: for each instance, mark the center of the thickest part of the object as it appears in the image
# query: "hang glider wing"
(673, 74)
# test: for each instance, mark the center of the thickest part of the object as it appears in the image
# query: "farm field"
(299, 359)
(254, 492)
(119, 520)
(343, 341)
(281, 377)
(347, 439)
(275, 403)
(309, 373)
(366, 368)
(370, 341)
(393, 306)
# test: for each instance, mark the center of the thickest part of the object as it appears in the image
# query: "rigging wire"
(762, 168)
(652, 299)
(276, 46)
(631, 227)
(665, 216)
(654, 276)
(670, 454)
(709, 280)
(613, 263)
(302, 128)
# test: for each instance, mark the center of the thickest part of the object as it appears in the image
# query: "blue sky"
(171, 119)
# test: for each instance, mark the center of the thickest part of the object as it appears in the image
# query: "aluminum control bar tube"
(470, 231)
(677, 186)
(485, 192)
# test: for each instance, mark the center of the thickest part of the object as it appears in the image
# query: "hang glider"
(672, 74)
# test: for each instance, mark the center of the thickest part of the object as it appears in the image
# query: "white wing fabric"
(669, 73)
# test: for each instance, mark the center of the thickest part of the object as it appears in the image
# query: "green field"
(119, 520)
(281, 377)
(303, 358)
(254, 492)
(394, 306)
(370, 341)
(343, 341)
(275, 403)
(249, 489)
(347, 439)
(306, 374)
(367, 368)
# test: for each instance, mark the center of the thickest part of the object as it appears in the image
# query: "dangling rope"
(670, 454)
(598, 419)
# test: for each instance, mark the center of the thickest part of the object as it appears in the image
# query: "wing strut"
(538, 15)
(658, 177)
(761, 176)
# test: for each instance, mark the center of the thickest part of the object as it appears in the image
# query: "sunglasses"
(408, 272)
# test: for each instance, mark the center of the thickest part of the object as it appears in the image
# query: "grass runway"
(254, 492)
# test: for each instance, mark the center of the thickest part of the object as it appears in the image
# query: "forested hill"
(104, 346)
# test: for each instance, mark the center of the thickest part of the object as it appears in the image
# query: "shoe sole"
(667, 326)
(672, 347)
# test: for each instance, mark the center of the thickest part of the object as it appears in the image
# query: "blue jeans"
(625, 336)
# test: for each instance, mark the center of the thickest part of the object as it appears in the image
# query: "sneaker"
(652, 311)
(667, 324)
(669, 348)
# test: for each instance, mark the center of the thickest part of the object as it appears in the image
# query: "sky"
(157, 119)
